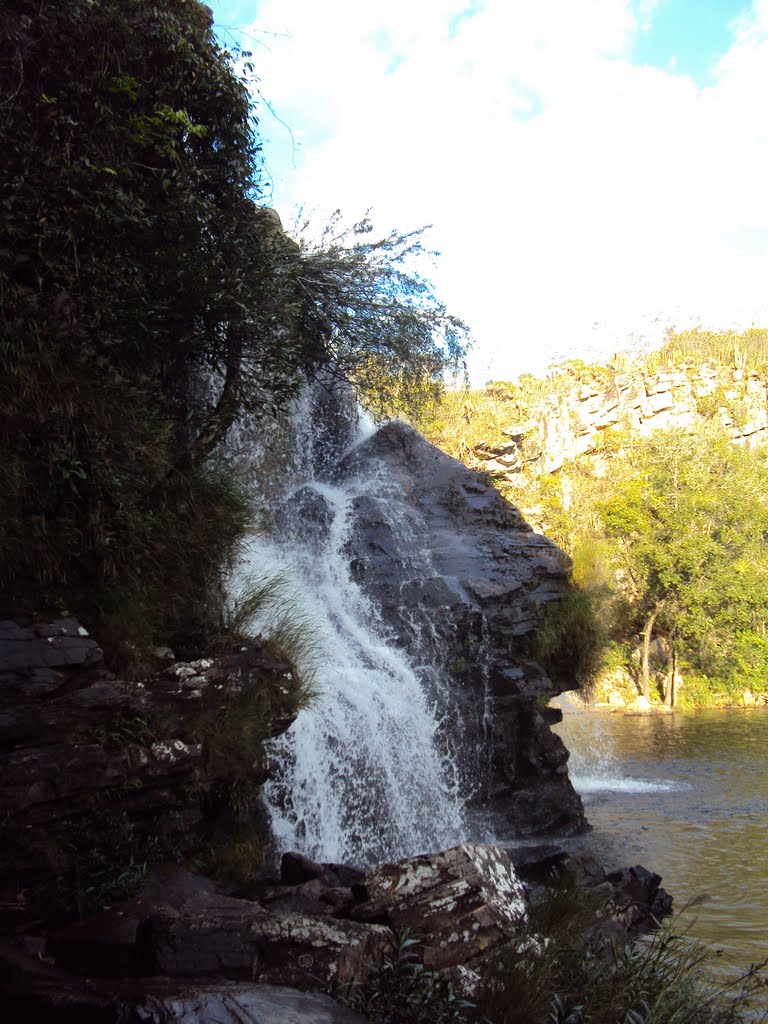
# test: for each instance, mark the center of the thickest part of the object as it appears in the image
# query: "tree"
(692, 531)
(148, 303)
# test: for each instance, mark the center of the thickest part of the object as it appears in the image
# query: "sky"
(594, 171)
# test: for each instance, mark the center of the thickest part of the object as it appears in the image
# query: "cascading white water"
(359, 777)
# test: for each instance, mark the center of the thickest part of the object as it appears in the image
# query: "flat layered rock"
(212, 934)
(460, 903)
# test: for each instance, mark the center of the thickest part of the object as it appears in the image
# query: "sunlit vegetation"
(668, 533)
(739, 349)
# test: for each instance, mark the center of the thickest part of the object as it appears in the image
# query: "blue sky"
(594, 171)
(689, 36)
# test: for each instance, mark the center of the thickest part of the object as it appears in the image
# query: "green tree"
(148, 303)
(692, 527)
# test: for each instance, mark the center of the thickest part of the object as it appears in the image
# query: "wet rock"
(538, 863)
(295, 868)
(638, 901)
(445, 539)
(33, 990)
(314, 897)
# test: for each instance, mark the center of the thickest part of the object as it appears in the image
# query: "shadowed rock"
(460, 579)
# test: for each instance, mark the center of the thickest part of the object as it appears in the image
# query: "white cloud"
(567, 186)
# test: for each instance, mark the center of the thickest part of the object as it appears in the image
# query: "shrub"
(401, 990)
(568, 639)
(572, 976)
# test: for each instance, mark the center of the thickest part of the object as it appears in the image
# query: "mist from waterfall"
(594, 765)
(361, 776)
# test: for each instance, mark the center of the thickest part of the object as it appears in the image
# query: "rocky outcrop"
(180, 953)
(574, 411)
(461, 903)
(99, 766)
(460, 579)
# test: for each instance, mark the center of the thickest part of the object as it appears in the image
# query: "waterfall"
(362, 775)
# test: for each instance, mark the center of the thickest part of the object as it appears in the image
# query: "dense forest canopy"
(148, 303)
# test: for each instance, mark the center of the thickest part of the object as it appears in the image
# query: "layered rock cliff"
(569, 414)
(100, 775)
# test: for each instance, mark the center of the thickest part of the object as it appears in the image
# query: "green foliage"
(116, 733)
(570, 975)
(401, 990)
(95, 860)
(568, 639)
(234, 855)
(693, 530)
(233, 728)
(266, 606)
(370, 317)
(126, 206)
(147, 303)
(736, 349)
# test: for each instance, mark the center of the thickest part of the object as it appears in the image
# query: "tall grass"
(266, 605)
(580, 975)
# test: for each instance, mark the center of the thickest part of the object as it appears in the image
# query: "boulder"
(460, 903)
(638, 900)
(460, 579)
(238, 939)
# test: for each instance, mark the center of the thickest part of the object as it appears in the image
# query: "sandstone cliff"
(570, 414)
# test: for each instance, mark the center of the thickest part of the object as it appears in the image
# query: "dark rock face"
(180, 953)
(79, 747)
(455, 569)
(49, 996)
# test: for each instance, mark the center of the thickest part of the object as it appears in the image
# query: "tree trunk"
(222, 416)
(645, 675)
(669, 690)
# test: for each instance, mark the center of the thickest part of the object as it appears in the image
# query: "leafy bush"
(90, 861)
(147, 304)
(573, 976)
(568, 640)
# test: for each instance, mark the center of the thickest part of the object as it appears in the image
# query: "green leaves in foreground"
(148, 304)
(573, 975)
(401, 990)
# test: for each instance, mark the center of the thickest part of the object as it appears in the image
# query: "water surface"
(685, 795)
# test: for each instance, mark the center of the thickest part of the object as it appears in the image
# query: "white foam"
(608, 784)
(359, 777)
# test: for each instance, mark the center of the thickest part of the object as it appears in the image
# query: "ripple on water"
(686, 795)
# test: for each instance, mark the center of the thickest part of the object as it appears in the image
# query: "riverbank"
(616, 691)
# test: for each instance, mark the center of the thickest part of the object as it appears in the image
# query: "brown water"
(685, 795)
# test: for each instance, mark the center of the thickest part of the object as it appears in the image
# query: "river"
(685, 795)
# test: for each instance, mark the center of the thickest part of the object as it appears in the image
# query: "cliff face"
(571, 417)
(94, 767)
(460, 578)
(99, 775)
